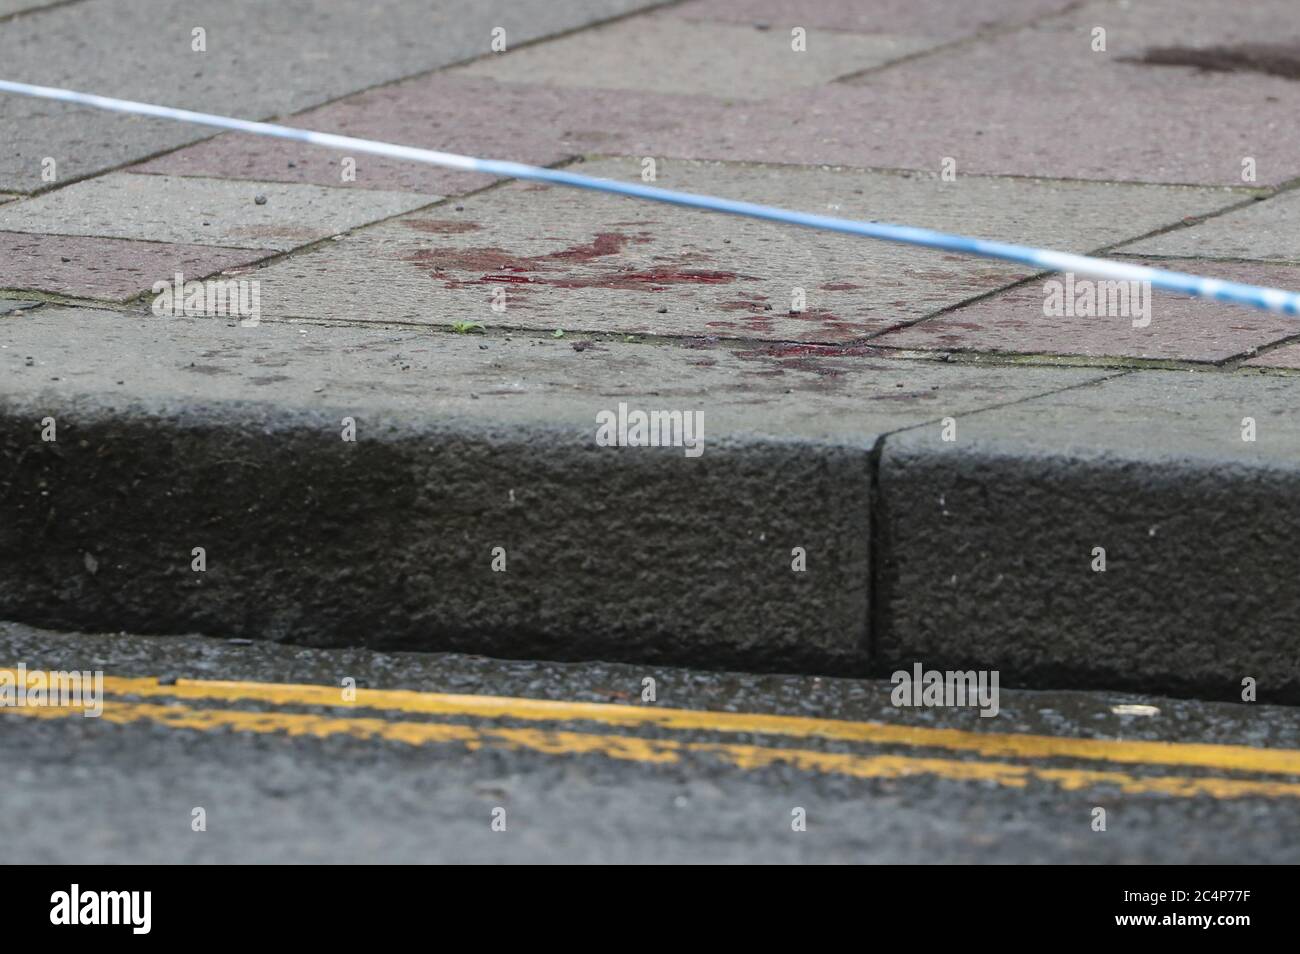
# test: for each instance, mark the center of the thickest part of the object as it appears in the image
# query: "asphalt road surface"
(461, 758)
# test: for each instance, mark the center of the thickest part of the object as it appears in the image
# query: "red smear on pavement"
(808, 357)
(512, 279)
(471, 260)
(496, 265)
(646, 281)
(747, 301)
(606, 243)
(832, 322)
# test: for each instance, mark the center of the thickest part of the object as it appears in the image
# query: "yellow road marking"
(1240, 758)
(667, 751)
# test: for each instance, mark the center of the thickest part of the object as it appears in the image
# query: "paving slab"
(261, 60)
(108, 269)
(436, 112)
(175, 434)
(1286, 357)
(665, 54)
(1038, 101)
(204, 211)
(927, 18)
(1149, 325)
(1265, 231)
(990, 540)
(9, 306)
(447, 111)
(558, 258)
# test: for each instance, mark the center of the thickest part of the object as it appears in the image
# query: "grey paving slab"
(1038, 101)
(204, 211)
(928, 18)
(1265, 231)
(558, 258)
(174, 434)
(106, 268)
(662, 53)
(261, 60)
(1148, 325)
(989, 540)
(9, 306)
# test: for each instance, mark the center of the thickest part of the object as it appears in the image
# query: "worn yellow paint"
(1237, 758)
(667, 751)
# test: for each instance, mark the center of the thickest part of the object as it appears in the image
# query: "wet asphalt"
(87, 790)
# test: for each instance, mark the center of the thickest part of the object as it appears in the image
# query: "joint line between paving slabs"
(29, 11)
(1004, 29)
(1114, 248)
(1238, 360)
(278, 255)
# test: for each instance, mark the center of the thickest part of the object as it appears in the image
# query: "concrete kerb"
(1139, 532)
(445, 536)
(182, 434)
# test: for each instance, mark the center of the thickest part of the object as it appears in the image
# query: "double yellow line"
(1033, 752)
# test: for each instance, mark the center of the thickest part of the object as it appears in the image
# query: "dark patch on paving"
(971, 104)
(1272, 59)
(812, 358)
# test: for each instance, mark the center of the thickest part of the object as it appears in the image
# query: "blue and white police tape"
(1271, 299)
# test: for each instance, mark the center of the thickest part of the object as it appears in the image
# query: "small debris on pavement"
(1132, 709)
